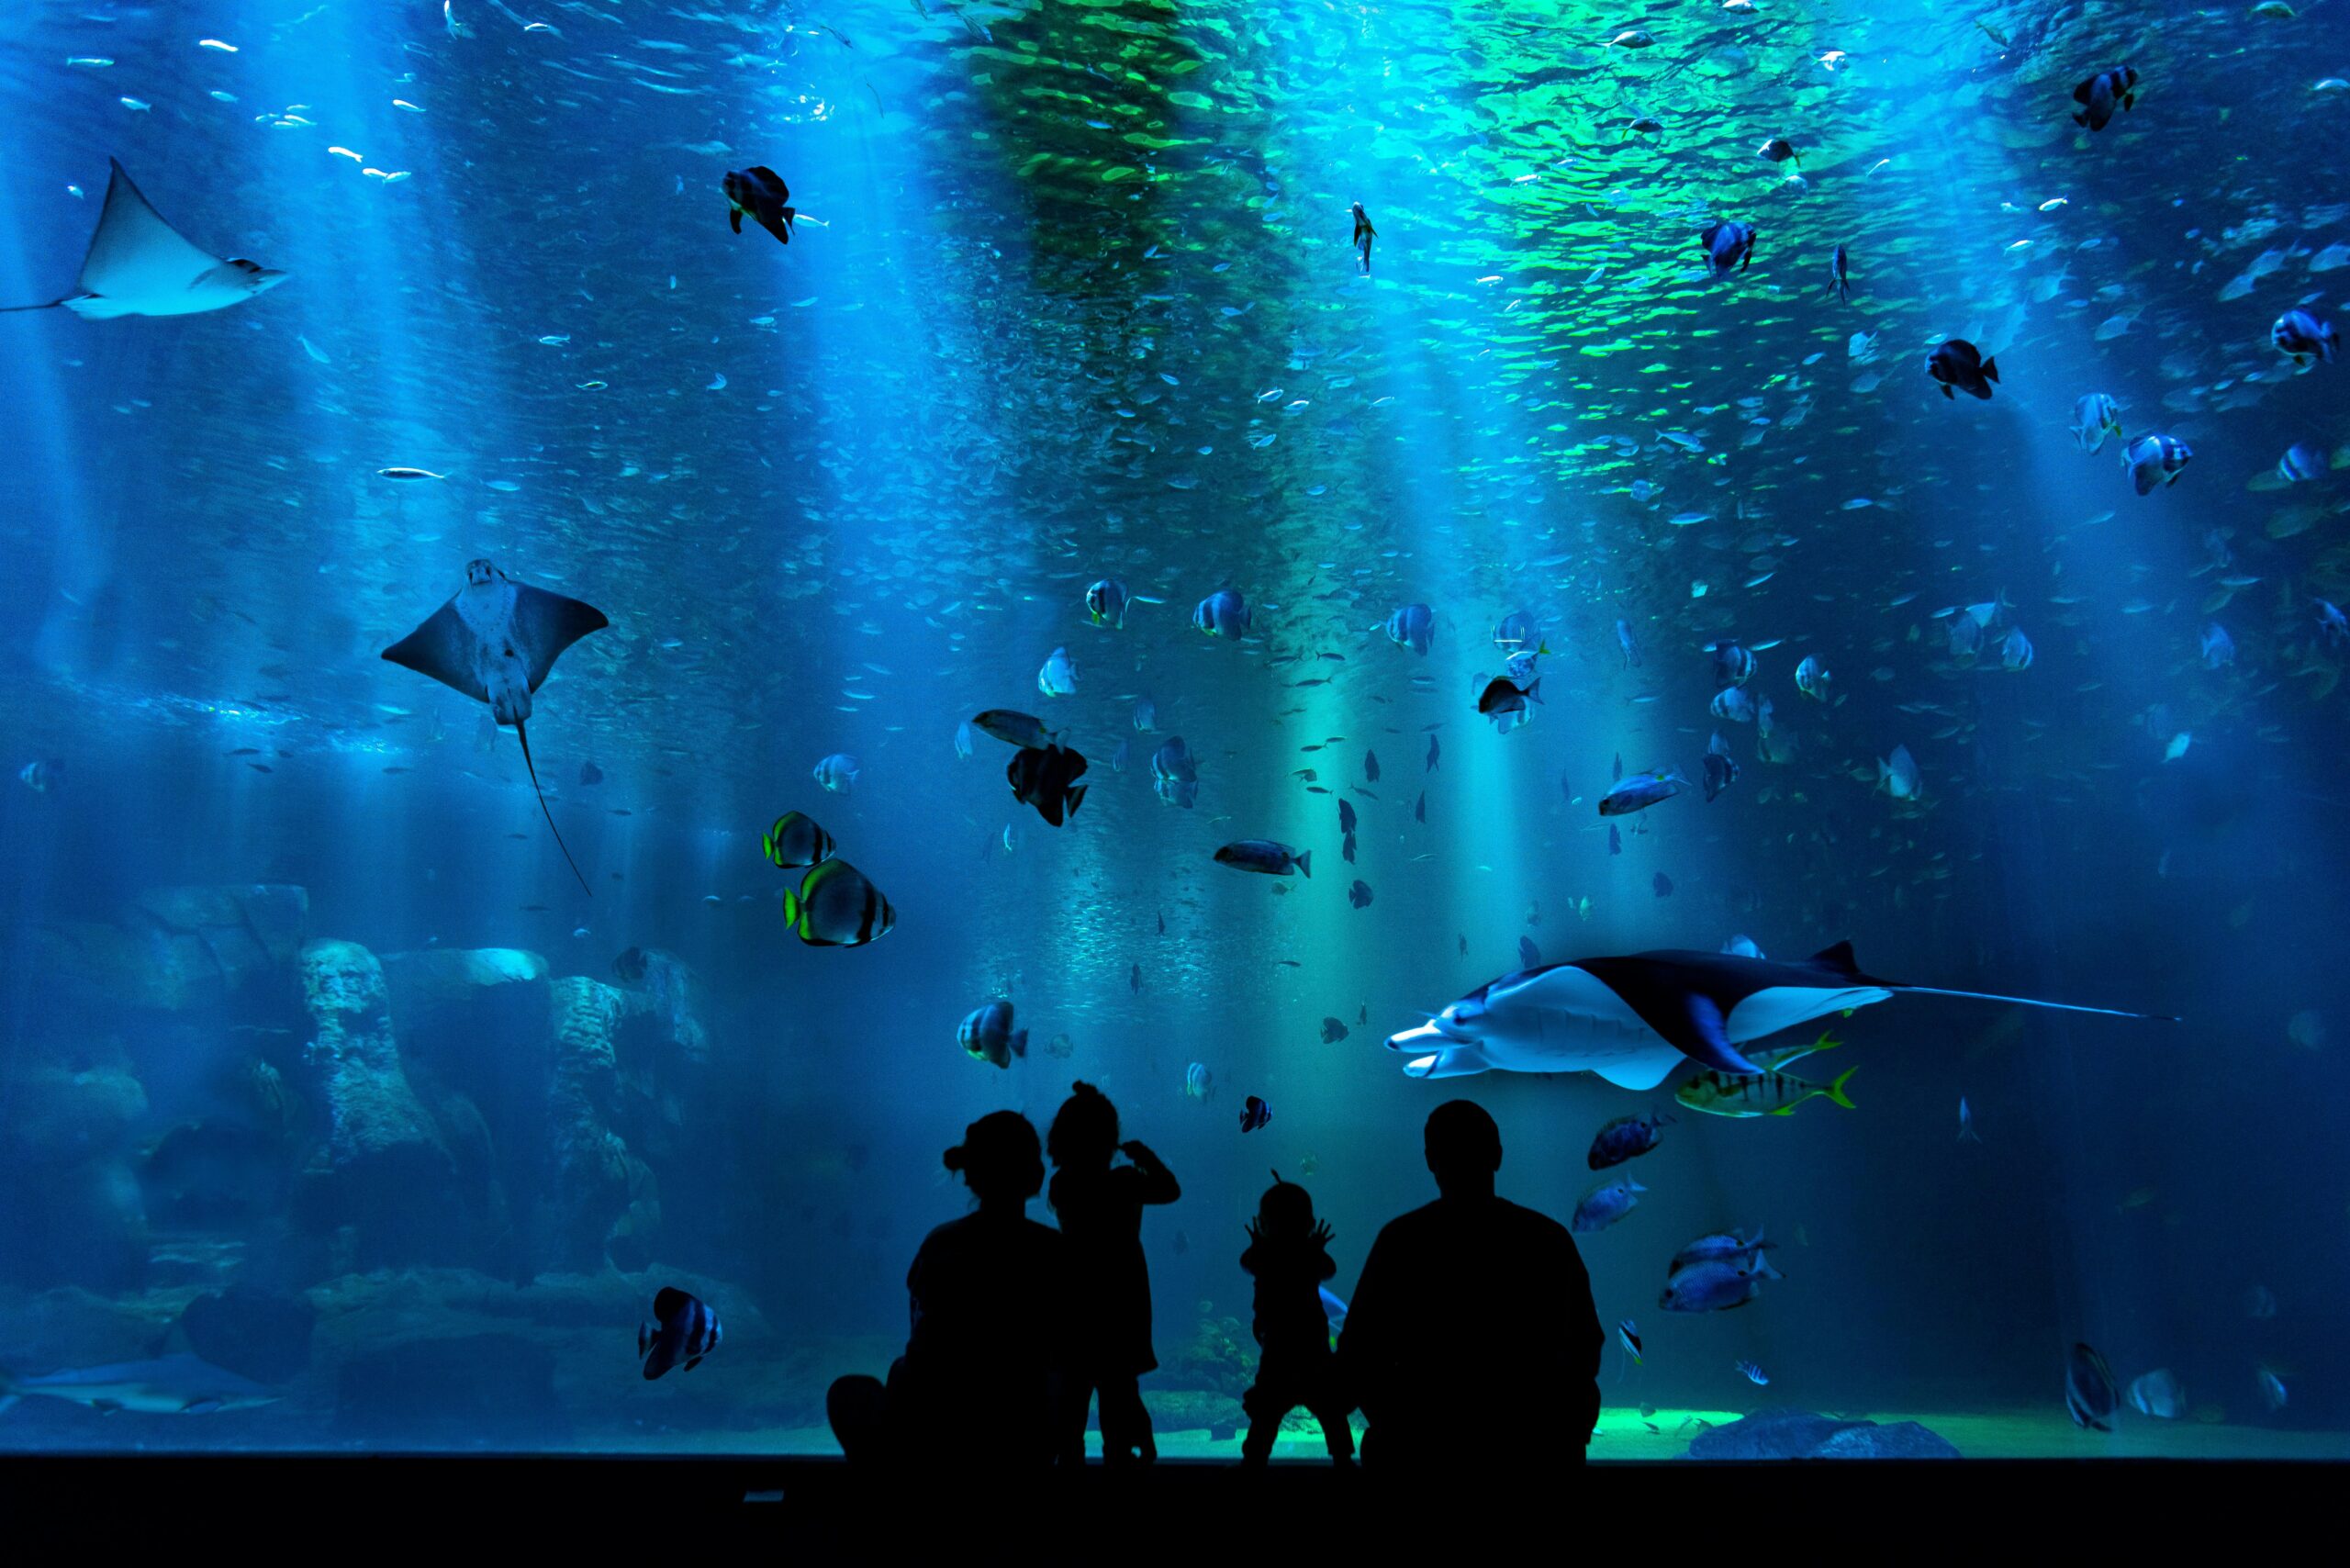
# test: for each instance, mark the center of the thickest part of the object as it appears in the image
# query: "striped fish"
(1770, 1092)
(837, 907)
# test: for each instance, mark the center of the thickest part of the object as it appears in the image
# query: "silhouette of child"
(1100, 1208)
(1289, 1257)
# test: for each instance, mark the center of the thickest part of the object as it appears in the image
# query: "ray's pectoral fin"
(446, 649)
(545, 625)
(1642, 1071)
(1705, 1037)
(134, 254)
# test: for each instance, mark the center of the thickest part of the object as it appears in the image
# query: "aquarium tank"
(620, 618)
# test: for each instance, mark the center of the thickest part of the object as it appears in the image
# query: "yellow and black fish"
(1771, 1092)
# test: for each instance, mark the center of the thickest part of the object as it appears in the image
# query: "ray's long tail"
(524, 736)
(48, 305)
(2035, 1001)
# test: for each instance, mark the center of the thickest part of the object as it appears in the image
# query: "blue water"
(1070, 296)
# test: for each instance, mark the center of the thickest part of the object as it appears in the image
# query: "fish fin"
(7, 309)
(2129, 100)
(523, 735)
(1020, 1043)
(1836, 1090)
(107, 1406)
(134, 252)
(1076, 797)
(1535, 690)
(1991, 369)
(734, 218)
(670, 1301)
(1840, 959)
(790, 906)
(546, 623)
(446, 648)
(693, 1362)
(1948, 392)
(1968, 1135)
(2081, 119)
(763, 171)
(2081, 92)
(1305, 863)
(1707, 1039)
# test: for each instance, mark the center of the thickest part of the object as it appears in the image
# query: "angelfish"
(495, 641)
(1633, 1019)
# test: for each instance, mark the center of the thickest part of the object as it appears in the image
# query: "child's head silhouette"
(999, 1158)
(1085, 1131)
(1286, 1209)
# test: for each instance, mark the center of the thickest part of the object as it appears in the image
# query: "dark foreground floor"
(263, 1507)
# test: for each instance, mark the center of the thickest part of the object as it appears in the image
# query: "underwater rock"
(52, 1116)
(602, 1194)
(1902, 1439)
(214, 1173)
(1801, 1434)
(88, 1229)
(262, 1335)
(449, 977)
(478, 1389)
(177, 948)
(382, 1168)
(669, 996)
(1194, 1409)
(1220, 1357)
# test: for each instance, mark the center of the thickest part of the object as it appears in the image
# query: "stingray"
(495, 641)
(1633, 1020)
(141, 265)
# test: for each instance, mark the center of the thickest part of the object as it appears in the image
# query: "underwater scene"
(623, 616)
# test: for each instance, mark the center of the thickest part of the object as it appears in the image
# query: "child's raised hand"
(1322, 1233)
(1252, 1228)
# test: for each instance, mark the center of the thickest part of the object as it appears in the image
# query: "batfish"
(495, 641)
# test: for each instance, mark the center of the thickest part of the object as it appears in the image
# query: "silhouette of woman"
(979, 1384)
(1099, 1208)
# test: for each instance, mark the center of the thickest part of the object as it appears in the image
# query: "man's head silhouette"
(1464, 1148)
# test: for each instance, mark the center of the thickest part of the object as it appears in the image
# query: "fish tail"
(524, 736)
(1305, 863)
(1836, 1090)
(1020, 1043)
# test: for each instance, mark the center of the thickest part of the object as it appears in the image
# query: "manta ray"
(1632, 1020)
(141, 265)
(495, 641)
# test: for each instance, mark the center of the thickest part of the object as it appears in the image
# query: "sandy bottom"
(1625, 1434)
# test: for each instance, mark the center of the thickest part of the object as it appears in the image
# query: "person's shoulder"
(1535, 1220)
(1412, 1222)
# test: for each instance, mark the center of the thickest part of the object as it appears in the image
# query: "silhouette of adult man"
(1472, 1342)
(979, 1388)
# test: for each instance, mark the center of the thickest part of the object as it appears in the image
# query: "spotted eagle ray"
(1632, 1020)
(141, 265)
(495, 641)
